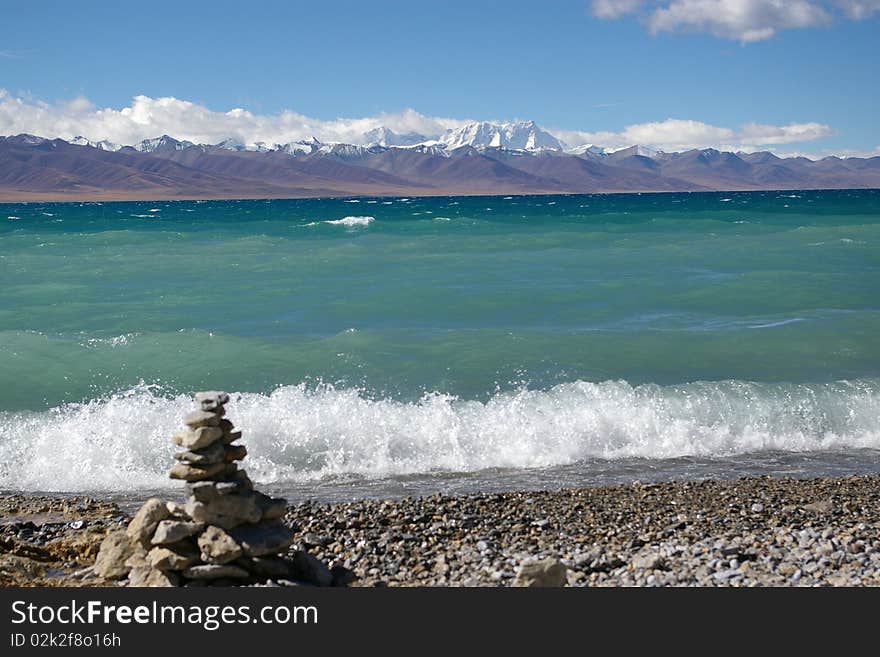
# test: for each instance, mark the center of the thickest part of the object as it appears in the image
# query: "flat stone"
(198, 473)
(240, 480)
(225, 511)
(271, 508)
(208, 491)
(214, 571)
(211, 399)
(543, 573)
(234, 453)
(265, 538)
(115, 550)
(143, 525)
(308, 568)
(176, 510)
(216, 546)
(180, 558)
(198, 419)
(230, 433)
(209, 455)
(197, 438)
(144, 576)
(172, 531)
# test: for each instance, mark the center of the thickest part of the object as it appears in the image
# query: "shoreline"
(38, 197)
(752, 531)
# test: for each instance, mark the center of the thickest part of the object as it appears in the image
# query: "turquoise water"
(383, 338)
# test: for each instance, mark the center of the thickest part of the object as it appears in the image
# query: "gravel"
(748, 532)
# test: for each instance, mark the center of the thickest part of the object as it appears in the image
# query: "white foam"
(351, 221)
(300, 434)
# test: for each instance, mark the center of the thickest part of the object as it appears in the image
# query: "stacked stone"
(225, 533)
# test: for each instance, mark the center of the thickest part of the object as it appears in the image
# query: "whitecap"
(298, 433)
(351, 221)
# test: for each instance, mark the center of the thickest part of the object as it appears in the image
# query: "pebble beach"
(747, 532)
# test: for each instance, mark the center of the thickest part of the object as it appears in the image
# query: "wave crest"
(300, 434)
(351, 221)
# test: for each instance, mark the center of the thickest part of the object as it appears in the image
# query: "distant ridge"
(479, 158)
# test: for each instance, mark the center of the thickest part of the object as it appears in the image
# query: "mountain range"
(477, 158)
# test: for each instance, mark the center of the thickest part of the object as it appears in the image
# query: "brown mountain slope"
(38, 169)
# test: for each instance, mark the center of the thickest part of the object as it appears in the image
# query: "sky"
(792, 76)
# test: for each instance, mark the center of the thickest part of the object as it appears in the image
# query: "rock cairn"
(226, 533)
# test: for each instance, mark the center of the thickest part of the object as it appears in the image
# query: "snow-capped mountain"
(520, 135)
(636, 149)
(476, 159)
(162, 144)
(586, 150)
(296, 148)
(383, 136)
(103, 145)
(231, 144)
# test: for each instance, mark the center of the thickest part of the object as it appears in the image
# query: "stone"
(115, 550)
(176, 510)
(310, 569)
(211, 399)
(197, 438)
(225, 511)
(268, 567)
(214, 571)
(648, 560)
(216, 546)
(198, 419)
(138, 557)
(198, 473)
(143, 525)
(260, 540)
(173, 531)
(209, 455)
(239, 480)
(271, 508)
(544, 573)
(208, 491)
(144, 576)
(757, 507)
(342, 576)
(234, 453)
(212, 395)
(822, 506)
(230, 433)
(179, 558)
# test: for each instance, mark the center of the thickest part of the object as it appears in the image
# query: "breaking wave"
(351, 221)
(296, 433)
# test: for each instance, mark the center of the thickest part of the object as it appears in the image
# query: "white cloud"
(740, 20)
(756, 134)
(858, 9)
(149, 117)
(682, 134)
(745, 21)
(615, 8)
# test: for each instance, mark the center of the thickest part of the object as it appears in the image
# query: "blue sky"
(570, 65)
